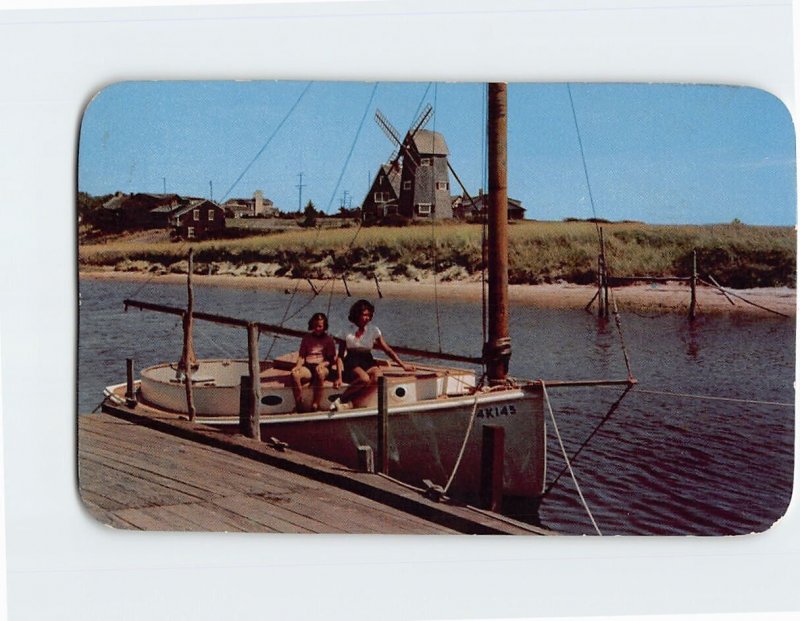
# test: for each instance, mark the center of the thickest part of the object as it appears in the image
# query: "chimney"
(259, 206)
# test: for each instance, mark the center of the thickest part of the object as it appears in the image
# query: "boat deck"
(143, 471)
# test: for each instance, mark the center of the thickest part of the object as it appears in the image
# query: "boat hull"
(431, 417)
(425, 440)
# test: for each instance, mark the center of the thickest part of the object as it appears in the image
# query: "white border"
(63, 565)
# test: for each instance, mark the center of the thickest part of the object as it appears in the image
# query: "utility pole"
(211, 190)
(164, 179)
(300, 187)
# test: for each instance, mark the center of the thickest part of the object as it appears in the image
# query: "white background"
(61, 564)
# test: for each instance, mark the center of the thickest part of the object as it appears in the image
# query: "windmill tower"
(424, 178)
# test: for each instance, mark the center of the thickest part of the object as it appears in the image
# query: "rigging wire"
(266, 144)
(617, 320)
(286, 316)
(433, 227)
(666, 393)
(583, 159)
(484, 218)
(352, 146)
(614, 407)
(239, 178)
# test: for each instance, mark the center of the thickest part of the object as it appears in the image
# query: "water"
(660, 464)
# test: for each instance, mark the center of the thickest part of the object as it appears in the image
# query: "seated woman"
(360, 369)
(316, 362)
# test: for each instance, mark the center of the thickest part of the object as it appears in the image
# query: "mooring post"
(492, 451)
(693, 302)
(604, 278)
(130, 392)
(383, 427)
(250, 395)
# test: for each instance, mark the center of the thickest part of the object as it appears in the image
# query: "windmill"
(420, 188)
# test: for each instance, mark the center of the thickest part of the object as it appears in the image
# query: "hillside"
(736, 255)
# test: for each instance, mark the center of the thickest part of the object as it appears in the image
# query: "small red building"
(198, 220)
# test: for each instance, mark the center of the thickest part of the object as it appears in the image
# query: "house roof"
(115, 202)
(193, 205)
(394, 176)
(430, 143)
(480, 202)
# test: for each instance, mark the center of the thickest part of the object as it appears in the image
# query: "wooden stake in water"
(693, 302)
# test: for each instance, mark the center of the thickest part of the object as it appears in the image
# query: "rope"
(745, 300)
(566, 459)
(463, 443)
(614, 407)
(618, 323)
(283, 319)
(712, 398)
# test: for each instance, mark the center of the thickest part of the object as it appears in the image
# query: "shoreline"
(659, 298)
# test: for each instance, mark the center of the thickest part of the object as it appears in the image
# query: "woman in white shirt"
(360, 369)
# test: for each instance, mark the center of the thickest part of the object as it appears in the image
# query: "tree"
(309, 216)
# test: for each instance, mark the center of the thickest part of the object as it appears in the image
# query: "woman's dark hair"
(358, 308)
(314, 318)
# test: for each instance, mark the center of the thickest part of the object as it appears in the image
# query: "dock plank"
(137, 471)
(134, 477)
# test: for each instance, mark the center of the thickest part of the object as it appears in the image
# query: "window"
(196, 215)
(190, 232)
(381, 197)
(442, 185)
(210, 215)
(407, 185)
(423, 209)
(426, 161)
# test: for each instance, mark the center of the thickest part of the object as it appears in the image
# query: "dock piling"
(250, 395)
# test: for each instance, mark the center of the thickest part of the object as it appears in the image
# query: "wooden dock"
(153, 472)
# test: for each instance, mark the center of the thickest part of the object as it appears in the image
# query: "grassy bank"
(540, 252)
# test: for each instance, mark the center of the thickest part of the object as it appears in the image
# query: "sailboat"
(435, 414)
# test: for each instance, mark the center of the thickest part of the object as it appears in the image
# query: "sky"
(657, 153)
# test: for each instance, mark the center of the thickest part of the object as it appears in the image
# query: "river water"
(715, 457)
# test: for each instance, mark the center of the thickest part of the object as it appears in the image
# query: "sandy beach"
(653, 298)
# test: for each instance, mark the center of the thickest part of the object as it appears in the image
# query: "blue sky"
(657, 153)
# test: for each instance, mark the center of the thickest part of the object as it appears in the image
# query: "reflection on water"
(656, 464)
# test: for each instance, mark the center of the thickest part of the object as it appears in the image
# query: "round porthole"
(272, 400)
(400, 392)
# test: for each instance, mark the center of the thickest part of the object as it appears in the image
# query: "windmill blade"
(423, 118)
(388, 128)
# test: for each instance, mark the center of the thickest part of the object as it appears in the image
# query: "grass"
(736, 255)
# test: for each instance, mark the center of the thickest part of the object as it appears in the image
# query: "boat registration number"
(497, 411)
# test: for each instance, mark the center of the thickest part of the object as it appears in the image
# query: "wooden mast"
(497, 351)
